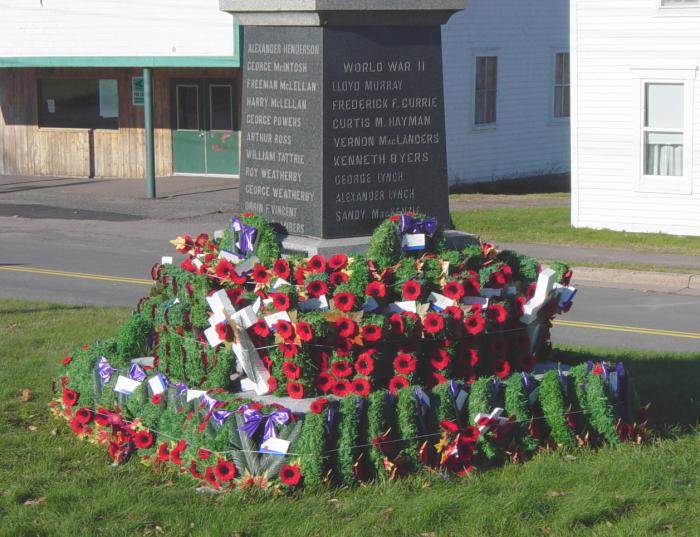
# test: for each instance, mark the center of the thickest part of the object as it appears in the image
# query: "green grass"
(631, 490)
(550, 225)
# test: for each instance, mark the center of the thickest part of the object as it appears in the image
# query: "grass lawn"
(550, 225)
(51, 484)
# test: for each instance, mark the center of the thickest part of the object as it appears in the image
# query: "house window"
(663, 129)
(561, 85)
(89, 103)
(485, 90)
(679, 3)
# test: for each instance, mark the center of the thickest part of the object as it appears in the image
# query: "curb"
(668, 282)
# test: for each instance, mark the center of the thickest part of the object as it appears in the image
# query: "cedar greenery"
(408, 418)
(350, 435)
(312, 447)
(554, 408)
(602, 412)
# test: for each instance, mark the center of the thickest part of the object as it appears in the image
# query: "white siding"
(612, 42)
(526, 139)
(114, 28)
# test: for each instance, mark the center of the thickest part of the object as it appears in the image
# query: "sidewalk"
(96, 211)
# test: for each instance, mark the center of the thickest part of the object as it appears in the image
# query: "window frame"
(40, 98)
(663, 184)
(484, 53)
(677, 10)
(553, 88)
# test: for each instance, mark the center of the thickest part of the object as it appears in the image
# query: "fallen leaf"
(35, 501)
(26, 395)
(556, 494)
(32, 428)
(54, 432)
(569, 458)
(429, 534)
(608, 524)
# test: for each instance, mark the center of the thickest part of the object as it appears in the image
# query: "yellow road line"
(631, 329)
(571, 324)
(83, 275)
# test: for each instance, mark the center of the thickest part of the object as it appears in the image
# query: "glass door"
(221, 138)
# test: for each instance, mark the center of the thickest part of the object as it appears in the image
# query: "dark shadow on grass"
(670, 383)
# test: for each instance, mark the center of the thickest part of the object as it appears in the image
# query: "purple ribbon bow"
(137, 373)
(408, 224)
(620, 369)
(104, 370)
(454, 388)
(208, 401)
(180, 389)
(526, 381)
(495, 386)
(252, 419)
(246, 235)
(330, 418)
(220, 416)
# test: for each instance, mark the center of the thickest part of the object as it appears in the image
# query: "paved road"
(616, 313)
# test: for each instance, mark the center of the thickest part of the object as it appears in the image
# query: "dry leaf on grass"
(35, 501)
(556, 494)
(26, 395)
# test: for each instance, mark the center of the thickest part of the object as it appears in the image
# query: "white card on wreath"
(194, 394)
(230, 256)
(247, 385)
(275, 446)
(314, 304)
(412, 242)
(274, 317)
(400, 307)
(461, 399)
(218, 234)
(280, 282)
(197, 263)
(125, 385)
(471, 300)
(212, 337)
(166, 260)
(157, 384)
(247, 264)
(144, 361)
(488, 292)
(440, 302)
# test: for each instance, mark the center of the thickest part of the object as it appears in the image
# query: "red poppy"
(317, 264)
(470, 434)
(281, 269)
(474, 324)
(233, 294)
(397, 324)
(83, 415)
(375, 290)
(224, 269)
(337, 261)
(343, 347)
(163, 453)
(411, 290)
(176, 452)
(211, 478)
(566, 277)
(272, 384)
(338, 278)
(143, 439)
(324, 382)
(501, 368)
(78, 426)
(404, 363)
(318, 405)
(520, 341)
(364, 364)
(341, 388)
(280, 301)
(453, 290)
(224, 471)
(299, 275)
(433, 323)
(441, 359)
(290, 475)
(341, 368)
(316, 288)
(361, 386)
(497, 279)
(224, 331)
(69, 397)
(435, 379)
(261, 329)
(371, 333)
(497, 346)
(346, 327)
(295, 389)
(194, 472)
(289, 350)
(530, 291)
(344, 301)
(157, 399)
(102, 416)
(455, 313)
(472, 356)
(472, 287)
(597, 369)
(304, 331)
(291, 370)
(285, 329)
(203, 454)
(67, 360)
(497, 313)
(260, 273)
(526, 361)
(397, 383)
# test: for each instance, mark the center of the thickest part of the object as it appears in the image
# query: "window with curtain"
(663, 129)
(485, 90)
(561, 85)
(91, 103)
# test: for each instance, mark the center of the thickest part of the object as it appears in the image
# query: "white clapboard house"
(636, 115)
(506, 71)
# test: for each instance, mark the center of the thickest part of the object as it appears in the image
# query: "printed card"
(166, 260)
(471, 300)
(275, 446)
(230, 256)
(144, 361)
(488, 292)
(412, 242)
(280, 282)
(274, 317)
(194, 394)
(157, 384)
(125, 385)
(440, 302)
(400, 307)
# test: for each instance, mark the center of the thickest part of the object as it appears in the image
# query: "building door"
(205, 138)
